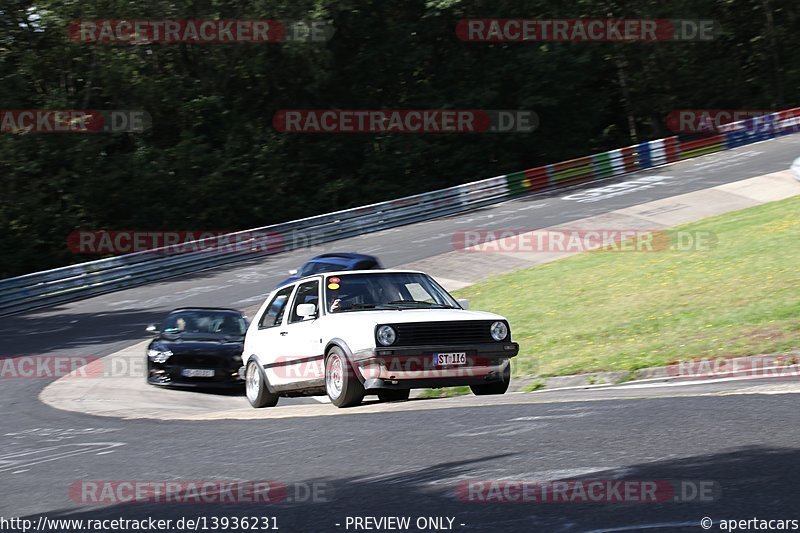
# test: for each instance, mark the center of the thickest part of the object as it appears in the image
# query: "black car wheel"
(342, 386)
(256, 387)
(498, 387)
(393, 395)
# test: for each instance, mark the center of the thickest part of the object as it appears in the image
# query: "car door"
(301, 342)
(267, 342)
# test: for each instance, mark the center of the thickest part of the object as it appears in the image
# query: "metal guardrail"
(83, 280)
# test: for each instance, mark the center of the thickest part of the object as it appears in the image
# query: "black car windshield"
(390, 290)
(205, 324)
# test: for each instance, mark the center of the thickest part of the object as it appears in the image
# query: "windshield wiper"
(374, 307)
(427, 304)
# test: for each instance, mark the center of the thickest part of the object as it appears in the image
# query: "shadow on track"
(78, 333)
(753, 481)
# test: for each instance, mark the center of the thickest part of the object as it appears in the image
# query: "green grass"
(630, 376)
(445, 392)
(630, 310)
(534, 386)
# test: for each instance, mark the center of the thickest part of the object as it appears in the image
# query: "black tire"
(393, 395)
(496, 387)
(343, 388)
(258, 393)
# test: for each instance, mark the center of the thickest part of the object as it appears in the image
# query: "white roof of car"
(346, 272)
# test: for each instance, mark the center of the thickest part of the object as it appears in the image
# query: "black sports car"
(197, 347)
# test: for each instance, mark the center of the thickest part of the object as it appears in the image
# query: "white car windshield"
(390, 290)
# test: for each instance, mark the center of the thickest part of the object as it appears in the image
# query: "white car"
(384, 332)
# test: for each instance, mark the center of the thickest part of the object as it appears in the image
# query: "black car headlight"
(159, 356)
(499, 331)
(386, 335)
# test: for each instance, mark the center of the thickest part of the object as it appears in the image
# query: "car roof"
(352, 256)
(227, 309)
(357, 272)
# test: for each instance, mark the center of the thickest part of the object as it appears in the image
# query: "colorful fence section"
(651, 154)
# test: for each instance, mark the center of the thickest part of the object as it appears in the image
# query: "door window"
(307, 293)
(273, 316)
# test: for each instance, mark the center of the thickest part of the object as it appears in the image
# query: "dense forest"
(213, 160)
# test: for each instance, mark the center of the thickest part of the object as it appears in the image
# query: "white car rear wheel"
(256, 387)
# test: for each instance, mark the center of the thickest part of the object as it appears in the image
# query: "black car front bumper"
(166, 375)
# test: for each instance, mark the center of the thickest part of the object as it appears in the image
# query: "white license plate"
(197, 373)
(454, 358)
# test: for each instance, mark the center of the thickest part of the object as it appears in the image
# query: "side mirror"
(151, 329)
(307, 311)
(293, 272)
(464, 303)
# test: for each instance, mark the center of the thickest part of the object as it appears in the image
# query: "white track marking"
(53, 453)
(638, 527)
(548, 417)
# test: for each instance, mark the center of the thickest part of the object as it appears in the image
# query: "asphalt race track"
(737, 437)
(410, 463)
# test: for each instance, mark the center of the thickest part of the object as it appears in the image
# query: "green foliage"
(213, 161)
(446, 392)
(534, 386)
(736, 299)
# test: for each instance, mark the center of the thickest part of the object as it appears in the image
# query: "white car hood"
(391, 316)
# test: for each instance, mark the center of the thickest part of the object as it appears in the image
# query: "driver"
(334, 300)
(339, 299)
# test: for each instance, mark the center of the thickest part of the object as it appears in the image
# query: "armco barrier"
(105, 275)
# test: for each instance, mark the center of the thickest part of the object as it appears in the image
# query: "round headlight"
(159, 356)
(386, 335)
(499, 331)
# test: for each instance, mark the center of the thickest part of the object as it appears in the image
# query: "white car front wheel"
(497, 387)
(393, 395)
(342, 386)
